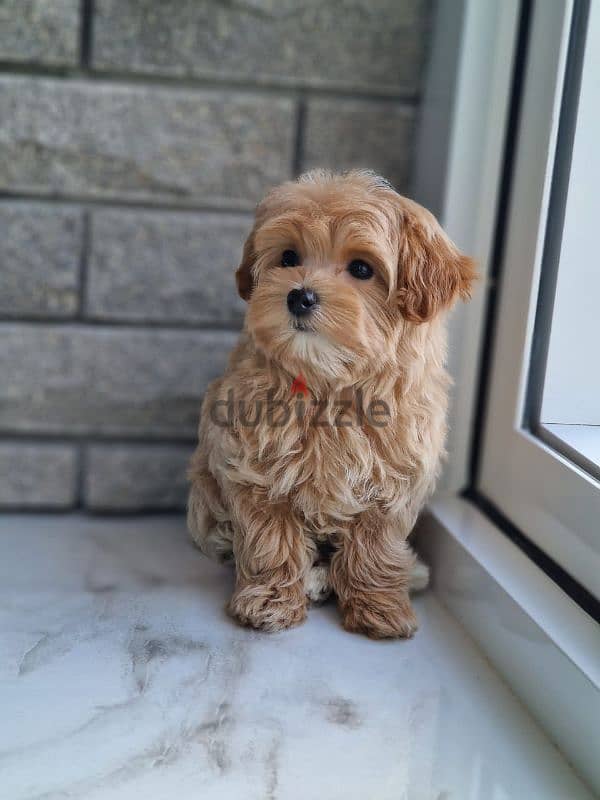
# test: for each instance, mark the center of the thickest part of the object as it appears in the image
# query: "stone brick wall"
(135, 138)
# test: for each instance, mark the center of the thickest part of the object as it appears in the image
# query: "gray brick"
(37, 475)
(120, 380)
(351, 133)
(142, 143)
(357, 44)
(39, 260)
(166, 266)
(40, 31)
(136, 477)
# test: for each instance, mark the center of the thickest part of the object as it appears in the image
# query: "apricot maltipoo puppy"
(326, 431)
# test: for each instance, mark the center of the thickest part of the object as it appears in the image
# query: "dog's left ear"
(243, 276)
(432, 272)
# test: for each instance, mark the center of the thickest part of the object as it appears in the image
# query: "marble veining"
(122, 678)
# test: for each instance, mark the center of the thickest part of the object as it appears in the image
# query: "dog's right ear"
(243, 276)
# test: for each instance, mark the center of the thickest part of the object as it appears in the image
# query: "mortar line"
(85, 40)
(147, 323)
(119, 202)
(83, 265)
(298, 157)
(268, 88)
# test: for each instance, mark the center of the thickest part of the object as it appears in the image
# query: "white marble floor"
(121, 678)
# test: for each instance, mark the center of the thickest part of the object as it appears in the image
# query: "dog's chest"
(328, 476)
(328, 468)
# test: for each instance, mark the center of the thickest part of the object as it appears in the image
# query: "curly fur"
(267, 491)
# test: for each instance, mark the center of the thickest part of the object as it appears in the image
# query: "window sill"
(541, 642)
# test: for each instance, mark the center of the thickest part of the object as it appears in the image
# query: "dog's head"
(338, 267)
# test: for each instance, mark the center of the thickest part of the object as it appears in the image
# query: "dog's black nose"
(301, 301)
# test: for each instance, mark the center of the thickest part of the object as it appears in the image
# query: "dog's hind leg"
(207, 519)
(318, 588)
(419, 576)
(317, 583)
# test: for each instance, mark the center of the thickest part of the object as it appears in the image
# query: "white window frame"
(541, 641)
(554, 502)
(458, 172)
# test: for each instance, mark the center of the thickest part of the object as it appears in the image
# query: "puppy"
(328, 426)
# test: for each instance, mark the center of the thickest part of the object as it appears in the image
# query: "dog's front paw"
(380, 615)
(268, 608)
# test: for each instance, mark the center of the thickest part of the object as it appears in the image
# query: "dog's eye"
(360, 269)
(290, 258)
